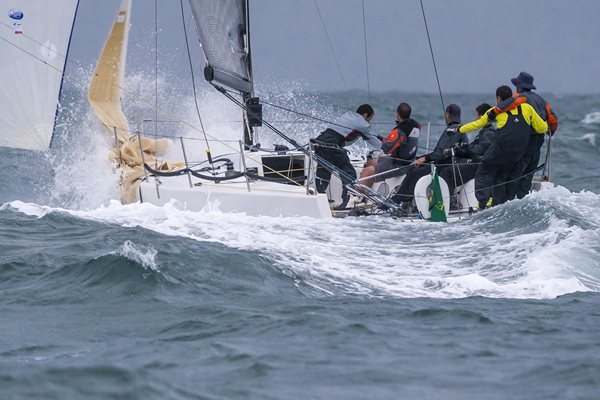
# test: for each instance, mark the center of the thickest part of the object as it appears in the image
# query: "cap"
(453, 112)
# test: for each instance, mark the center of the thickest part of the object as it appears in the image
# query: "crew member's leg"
(323, 173)
(485, 178)
(513, 177)
(500, 184)
(347, 175)
(524, 185)
(384, 164)
(467, 172)
(366, 172)
(406, 192)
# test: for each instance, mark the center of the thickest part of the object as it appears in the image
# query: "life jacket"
(404, 139)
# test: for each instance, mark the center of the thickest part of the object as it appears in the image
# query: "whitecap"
(592, 118)
(140, 254)
(591, 137)
(381, 257)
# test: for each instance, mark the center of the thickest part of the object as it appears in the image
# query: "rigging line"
(433, 59)
(366, 52)
(331, 45)
(156, 77)
(322, 120)
(335, 170)
(191, 66)
(192, 73)
(305, 115)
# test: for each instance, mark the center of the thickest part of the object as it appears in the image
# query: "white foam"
(140, 254)
(591, 137)
(592, 118)
(381, 257)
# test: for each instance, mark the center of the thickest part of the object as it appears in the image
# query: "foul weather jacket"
(533, 99)
(450, 136)
(512, 135)
(484, 139)
(352, 126)
(403, 141)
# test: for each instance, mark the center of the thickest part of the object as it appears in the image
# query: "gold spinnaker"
(105, 98)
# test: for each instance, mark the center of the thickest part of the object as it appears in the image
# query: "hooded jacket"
(352, 126)
(447, 140)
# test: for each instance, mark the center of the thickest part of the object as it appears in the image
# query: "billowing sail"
(105, 97)
(105, 90)
(32, 33)
(222, 25)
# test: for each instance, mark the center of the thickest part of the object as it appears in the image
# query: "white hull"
(255, 198)
(262, 198)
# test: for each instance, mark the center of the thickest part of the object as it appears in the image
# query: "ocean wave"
(541, 247)
(590, 137)
(591, 118)
(146, 257)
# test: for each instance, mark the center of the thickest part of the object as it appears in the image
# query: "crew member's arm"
(448, 139)
(485, 141)
(372, 139)
(516, 100)
(552, 120)
(509, 104)
(475, 125)
(538, 124)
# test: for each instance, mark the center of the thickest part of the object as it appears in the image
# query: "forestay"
(222, 25)
(32, 33)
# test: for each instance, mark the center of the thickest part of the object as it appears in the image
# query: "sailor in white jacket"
(344, 131)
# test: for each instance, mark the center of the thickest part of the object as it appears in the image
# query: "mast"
(248, 131)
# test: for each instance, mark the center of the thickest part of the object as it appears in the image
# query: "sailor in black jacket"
(439, 157)
(465, 171)
(400, 147)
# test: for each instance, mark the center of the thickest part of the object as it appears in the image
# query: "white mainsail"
(34, 41)
(222, 27)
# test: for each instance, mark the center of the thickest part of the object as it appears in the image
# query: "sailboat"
(255, 181)
(223, 30)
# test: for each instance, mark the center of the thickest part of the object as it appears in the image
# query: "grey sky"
(478, 44)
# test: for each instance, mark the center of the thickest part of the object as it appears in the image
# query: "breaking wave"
(541, 247)
(591, 118)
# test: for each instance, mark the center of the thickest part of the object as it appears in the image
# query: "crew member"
(515, 128)
(329, 145)
(522, 172)
(450, 136)
(400, 146)
(461, 173)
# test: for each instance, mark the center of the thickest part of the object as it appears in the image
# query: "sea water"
(100, 300)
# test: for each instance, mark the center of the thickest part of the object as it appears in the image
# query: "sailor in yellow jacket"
(515, 128)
